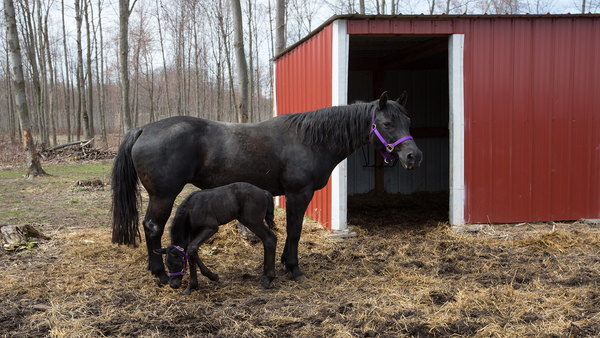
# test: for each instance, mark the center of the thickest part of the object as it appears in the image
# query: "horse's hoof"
(299, 278)
(187, 291)
(162, 280)
(265, 282)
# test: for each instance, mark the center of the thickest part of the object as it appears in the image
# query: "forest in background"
(181, 58)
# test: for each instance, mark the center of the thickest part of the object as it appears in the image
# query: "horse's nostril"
(410, 156)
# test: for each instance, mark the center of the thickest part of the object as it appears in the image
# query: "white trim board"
(339, 96)
(456, 126)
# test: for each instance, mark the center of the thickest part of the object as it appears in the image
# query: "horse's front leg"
(193, 284)
(296, 207)
(157, 214)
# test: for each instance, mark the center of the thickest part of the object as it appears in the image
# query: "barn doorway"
(419, 65)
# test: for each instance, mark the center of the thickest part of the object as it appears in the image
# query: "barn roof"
(426, 17)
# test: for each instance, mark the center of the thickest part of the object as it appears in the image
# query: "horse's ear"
(403, 98)
(383, 100)
(161, 251)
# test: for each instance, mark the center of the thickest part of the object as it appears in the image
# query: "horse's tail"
(125, 194)
(270, 215)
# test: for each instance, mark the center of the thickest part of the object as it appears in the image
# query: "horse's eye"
(387, 124)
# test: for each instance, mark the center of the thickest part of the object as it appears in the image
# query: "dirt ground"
(406, 273)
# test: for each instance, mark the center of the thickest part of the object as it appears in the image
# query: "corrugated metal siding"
(304, 84)
(431, 176)
(532, 112)
(531, 105)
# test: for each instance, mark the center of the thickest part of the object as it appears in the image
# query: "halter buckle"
(389, 148)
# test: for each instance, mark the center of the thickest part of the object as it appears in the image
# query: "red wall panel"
(530, 119)
(303, 78)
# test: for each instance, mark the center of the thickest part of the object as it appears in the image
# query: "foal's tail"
(125, 194)
(270, 215)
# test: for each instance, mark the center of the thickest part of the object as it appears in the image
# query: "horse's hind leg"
(269, 241)
(157, 215)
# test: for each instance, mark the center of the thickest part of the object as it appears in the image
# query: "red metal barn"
(507, 109)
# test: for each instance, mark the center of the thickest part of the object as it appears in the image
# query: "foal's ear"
(161, 251)
(403, 98)
(382, 100)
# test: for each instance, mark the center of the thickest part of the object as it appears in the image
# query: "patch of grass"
(54, 199)
(4, 174)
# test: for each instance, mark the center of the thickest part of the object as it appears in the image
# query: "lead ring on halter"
(387, 157)
(184, 258)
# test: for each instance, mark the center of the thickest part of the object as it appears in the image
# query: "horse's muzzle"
(175, 283)
(410, 158)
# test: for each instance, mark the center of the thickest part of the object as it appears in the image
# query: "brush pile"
(75, 151)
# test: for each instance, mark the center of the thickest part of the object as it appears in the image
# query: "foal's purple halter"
(387, 156)
(184, 258)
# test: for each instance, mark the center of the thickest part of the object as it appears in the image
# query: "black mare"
(291, 155)
(198, 218)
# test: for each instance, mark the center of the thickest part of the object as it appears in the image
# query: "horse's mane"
(344, 127)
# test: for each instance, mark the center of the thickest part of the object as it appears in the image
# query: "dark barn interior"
(419, 65)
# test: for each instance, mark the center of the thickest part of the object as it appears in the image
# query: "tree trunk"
(82, 116)
(251, 82)
(362, 6)
(90, 87)
(100, 75)
(164, 61)
(242, 66)
(280, 27)
(34, 167)
(35, 74)
(52, 76)
(196, 65)
(41, 48)
(66, 81)
(124, 13)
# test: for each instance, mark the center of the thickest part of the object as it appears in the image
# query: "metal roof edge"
(422, 17)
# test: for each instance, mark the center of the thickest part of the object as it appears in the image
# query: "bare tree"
(47, 58)
(162, 50)
(89, 90)
(100, 74)
(280, 27)
(82, 117)
(240, 56)
(30, 46)
(124, 13)
(66, 79)
(34, 167)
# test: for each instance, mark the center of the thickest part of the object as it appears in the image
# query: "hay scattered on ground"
(406, 273)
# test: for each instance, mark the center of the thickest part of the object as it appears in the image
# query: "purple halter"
(387, 156)
(184, 258)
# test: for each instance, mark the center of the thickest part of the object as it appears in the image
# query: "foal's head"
(176, 262)
(393, 124)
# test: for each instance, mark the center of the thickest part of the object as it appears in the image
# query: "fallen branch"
(82, 143)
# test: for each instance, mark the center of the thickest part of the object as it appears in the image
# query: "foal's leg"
(192, 251)
(157, 214)
(296, 207)
(193, 284)
(269, 241)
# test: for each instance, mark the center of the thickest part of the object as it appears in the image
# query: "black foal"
(199, 217)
